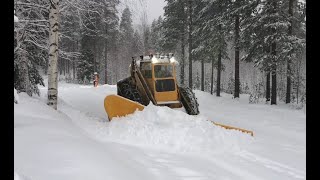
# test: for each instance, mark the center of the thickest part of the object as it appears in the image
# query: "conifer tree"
(268, 28)
(175, 30)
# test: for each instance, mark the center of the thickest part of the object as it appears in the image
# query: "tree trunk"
(274, 66)
(53, 55)
(190, 44)
(298, 80)
(60, 66)
(182, 66)
(274, 87)
(288, 92)
(24, 74)
(212, 66)
(219, 73)
(268, 87)
(67, 67)
(46, 68)
(95, 56)
(274, 78)
(182, 60)
(290, 32)
(219, 66)
(202, 75)
(105, 61)
(73, 63)
(236, 74)
(64, 66)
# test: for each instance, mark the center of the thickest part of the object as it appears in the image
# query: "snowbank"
(165, 128)
(15, 17)
(20, 177)
(16, 96)
(77, 141)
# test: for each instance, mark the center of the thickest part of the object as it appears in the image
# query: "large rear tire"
(129, 91)
(189, 100)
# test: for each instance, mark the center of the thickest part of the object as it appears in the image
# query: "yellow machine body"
(153, 82)
(169, 98)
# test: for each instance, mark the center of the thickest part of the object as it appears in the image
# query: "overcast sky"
(155, 9)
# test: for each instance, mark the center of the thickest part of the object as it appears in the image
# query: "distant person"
(96, 79)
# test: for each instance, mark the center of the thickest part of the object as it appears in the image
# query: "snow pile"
(19, 177)
(16, 96)
(165, 128)
(15, 17)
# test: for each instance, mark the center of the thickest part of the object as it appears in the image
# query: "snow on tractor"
(153, 78)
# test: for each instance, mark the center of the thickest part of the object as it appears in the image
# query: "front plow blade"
(116, 105)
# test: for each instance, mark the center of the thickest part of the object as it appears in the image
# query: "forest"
(255, 47)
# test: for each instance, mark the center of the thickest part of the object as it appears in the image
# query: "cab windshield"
(163, 71)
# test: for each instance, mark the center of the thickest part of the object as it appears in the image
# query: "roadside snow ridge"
(162, 127)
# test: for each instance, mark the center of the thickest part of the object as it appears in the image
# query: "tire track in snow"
(276, 166)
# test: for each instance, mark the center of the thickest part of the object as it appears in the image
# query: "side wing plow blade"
(235, 128)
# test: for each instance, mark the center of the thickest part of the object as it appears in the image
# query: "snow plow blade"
(114, 106)
(235, 128)
(117, 106)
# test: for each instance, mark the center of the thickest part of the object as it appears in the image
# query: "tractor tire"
(189, 100)
(129, 91)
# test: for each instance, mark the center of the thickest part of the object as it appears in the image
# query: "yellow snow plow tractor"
(152, 78)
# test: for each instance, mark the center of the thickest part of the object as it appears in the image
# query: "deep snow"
(77, 141)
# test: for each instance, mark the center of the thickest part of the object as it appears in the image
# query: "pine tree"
(190, 38)
(110, 28)
(212, 32)
(156, 35)
(197, 82)
(85, 66)
(126, 40)
(234, 16)
(30, 44)
(154, 39)
(268, 28)
(175, 29)
(296, 32)
(138, 45)
(146, 40)
(199, 54)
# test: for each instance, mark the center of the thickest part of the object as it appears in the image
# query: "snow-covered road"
(77, 141)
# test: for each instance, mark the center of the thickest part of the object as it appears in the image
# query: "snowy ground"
(77, 142)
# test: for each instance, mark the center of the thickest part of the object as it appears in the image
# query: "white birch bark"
(53, 54)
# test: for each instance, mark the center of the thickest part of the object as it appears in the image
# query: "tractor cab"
(160, 74)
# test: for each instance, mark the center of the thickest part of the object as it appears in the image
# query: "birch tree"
(53, 54)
